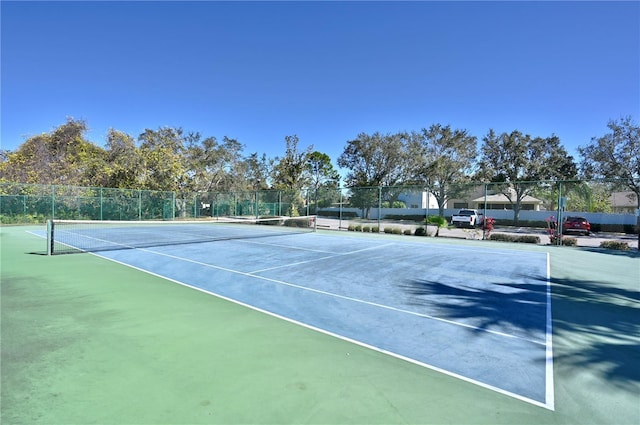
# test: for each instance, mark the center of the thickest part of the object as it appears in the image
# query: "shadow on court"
(596, 324)
(605, 321)
(486, 307)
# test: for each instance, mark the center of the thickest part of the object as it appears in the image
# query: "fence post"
(340, 211)
(484, 212)
(426, 209)
(638, 225)
(379, 205)
(53, 201)
(559, 215)
(257, 213)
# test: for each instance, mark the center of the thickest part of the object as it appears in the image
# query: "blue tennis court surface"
(482, 315)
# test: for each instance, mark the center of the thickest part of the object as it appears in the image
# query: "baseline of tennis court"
(480, 315)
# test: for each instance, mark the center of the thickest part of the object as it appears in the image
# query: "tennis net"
(71, 236)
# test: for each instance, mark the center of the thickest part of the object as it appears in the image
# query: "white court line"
(549, 378)
(344, 297)
(279, 245)
(284, 266)
(549, 391)
(338, 336)
(426, 242)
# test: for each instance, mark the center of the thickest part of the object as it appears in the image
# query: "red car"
(576, 225)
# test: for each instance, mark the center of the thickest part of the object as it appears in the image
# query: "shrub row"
(515, 238)
(622, 246)
(22, 219)
(363, 228)
(393, 230)
(569, 241)
(420, 231)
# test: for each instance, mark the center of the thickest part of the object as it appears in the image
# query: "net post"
(50, 239)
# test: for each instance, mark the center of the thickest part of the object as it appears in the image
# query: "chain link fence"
(33, 203)
(521, 204)
(530, 206)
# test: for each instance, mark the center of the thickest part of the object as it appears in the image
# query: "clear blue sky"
(325, 71)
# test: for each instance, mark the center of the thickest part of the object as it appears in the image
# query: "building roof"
(502, 198)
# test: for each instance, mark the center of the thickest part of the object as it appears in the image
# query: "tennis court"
(479, 314)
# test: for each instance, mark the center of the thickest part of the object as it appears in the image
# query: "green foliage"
(22, 219)
(407, 232)
(566, 241)
(394, 204)
(322, 174)
(587, 197)
(516, 160)
(436, 220)
(61, 156)
(621, 246)
(615, 155)
(445, 159)
(291, 171)
(376, 159)
(503, 237)
(421, 231)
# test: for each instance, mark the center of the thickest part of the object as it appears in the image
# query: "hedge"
(622, 246)
(514, 238)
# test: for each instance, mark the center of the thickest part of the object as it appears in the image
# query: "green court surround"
(85, 340)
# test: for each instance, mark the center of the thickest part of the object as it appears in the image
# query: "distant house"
(418, 199)
(624, 202)
(495, 201)
(499, 201)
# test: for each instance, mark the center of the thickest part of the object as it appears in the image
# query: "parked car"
(576, 225)
(467, 218)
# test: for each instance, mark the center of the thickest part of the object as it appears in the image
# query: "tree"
(291, 173)
(258, 172)
(63, 156)
(162, 154)
(376, 160)
(124, 161)
(373, 161)
(321, 171)
(446, 159)
(324, 179)
(616, 155)
(210, 164)
(519, 163)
